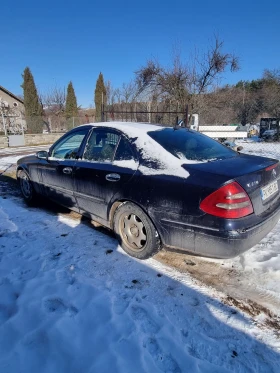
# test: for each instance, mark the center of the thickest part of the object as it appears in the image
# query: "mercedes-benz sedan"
(158, 187)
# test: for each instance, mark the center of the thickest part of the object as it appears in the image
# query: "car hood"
(27, 159)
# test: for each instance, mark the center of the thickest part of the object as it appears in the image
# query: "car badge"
(274, 173)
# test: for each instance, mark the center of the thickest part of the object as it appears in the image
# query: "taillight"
(272, 167)
(230, 202)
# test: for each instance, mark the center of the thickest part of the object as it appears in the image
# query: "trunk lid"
(258, 176)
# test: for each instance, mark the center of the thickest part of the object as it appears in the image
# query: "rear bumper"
(212, 242)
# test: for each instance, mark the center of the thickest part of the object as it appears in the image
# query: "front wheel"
(135, 231)
(26, 188)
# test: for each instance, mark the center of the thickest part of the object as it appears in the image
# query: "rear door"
(104, 172)
(56, 173)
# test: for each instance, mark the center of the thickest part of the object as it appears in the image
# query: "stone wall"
(3, 142)
(36, 139)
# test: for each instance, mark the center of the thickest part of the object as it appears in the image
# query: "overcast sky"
(63, 41)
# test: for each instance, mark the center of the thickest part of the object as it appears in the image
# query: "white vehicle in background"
(193, 122)
(226, 134)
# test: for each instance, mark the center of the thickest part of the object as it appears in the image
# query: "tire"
(135, 231)
(26, 188)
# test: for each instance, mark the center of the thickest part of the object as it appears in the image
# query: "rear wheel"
(26, 188)
(135, 231)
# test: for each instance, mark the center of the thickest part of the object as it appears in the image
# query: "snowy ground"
(263, 149)
(9, 156)
(72, 301)
(22, 149)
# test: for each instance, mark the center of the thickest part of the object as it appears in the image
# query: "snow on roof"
(156, 159)
(137, 127)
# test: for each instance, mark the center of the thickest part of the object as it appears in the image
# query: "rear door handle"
(67, 170)
(113, 177)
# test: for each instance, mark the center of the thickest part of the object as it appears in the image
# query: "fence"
(253, 142)
(161, 113)
(268, 145)
(50, 124)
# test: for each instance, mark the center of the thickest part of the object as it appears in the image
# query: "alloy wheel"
(133, 232)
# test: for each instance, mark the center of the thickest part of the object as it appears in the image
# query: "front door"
(56, 173)
(104, 172)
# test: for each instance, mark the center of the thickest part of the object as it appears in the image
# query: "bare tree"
(129, 92)
(214, 62)
(272, 76)
(272, 100)
(109, 92)
(187, 82)
(245, 105)
(53, 102)
(271, 92)
(163, 81)
(54, 99)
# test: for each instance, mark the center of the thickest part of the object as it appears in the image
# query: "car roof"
(128, 128)
(151, 151)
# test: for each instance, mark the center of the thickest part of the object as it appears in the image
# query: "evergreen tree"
(99, 97)
(33, 107)
(71, 107)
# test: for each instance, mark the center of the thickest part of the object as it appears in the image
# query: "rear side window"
(101, 146)
(124, 151)
(190, 145)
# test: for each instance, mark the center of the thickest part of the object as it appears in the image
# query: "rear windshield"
(190, 145)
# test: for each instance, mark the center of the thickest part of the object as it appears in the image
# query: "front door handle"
(67, 170)
(113, 177)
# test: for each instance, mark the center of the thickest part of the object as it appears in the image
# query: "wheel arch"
(118, 203)
(21, 167)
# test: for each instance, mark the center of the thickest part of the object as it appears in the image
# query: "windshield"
(190, 145)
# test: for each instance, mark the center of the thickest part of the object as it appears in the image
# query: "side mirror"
(42, 154)
(239, 148)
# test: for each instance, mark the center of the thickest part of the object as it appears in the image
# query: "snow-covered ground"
(7, 163)
(72, 301)
(263, 149)
(22, 149)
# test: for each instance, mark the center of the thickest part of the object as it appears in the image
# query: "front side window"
(68, 147)
(101, 146)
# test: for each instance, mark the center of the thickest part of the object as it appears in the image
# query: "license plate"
(269, 190)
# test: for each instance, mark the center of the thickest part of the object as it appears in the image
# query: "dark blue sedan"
(158, 187)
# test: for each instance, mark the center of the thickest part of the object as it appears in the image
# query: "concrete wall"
(3, 142)
(36, 139)
(41, 139)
